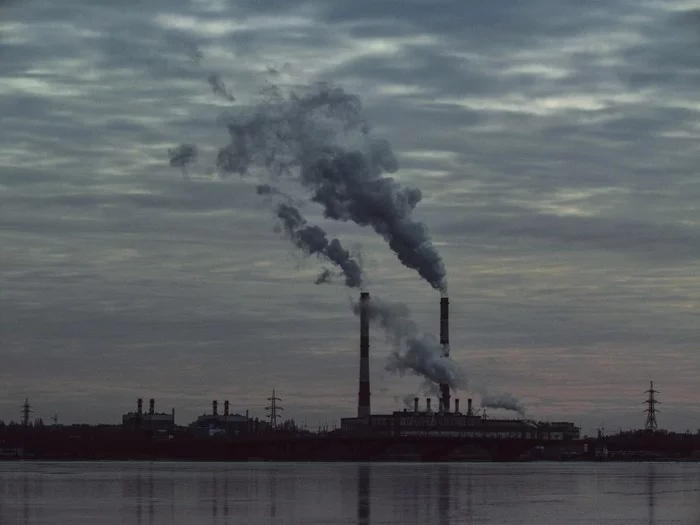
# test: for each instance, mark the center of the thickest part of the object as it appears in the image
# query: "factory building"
(151, 420)
(444, 421)
(456, 424)
(226, 424)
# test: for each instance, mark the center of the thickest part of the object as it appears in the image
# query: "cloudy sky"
(555, 143)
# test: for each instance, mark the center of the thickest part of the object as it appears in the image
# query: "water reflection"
(332, 494)
(444, 495)
(26, 499)
(363, 499)
(651, 492)
(226, 498)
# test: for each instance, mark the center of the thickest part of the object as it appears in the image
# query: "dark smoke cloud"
(326, 276)
(182, 156)
(219, 88)
(415, 352)
(320, 138)
(505, 401)
(266, 189)
(314, 241)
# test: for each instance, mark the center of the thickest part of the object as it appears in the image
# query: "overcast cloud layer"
(555, 142)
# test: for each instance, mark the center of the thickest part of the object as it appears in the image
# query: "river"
(136, 493)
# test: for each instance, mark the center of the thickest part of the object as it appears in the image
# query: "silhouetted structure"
(26, 411)
(445, 342)
(153, 421)
(226, 424)
(273, 410)
(651, 411)
(429, 423)
(363, 399)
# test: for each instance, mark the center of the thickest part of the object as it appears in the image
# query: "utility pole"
(26, 410)
(272, 409)
(651, 411)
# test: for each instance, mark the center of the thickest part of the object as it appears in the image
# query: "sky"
(554, 143)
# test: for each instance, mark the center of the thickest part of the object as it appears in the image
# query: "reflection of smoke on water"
(363, 491)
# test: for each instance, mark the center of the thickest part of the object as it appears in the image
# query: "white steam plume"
(418, 353)
(505, 401)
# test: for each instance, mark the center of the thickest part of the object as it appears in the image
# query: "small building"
(226, 424)
(151, 420)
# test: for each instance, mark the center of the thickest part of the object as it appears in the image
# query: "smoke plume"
(319, 138)
(505, 401)
(324, 277)
(415, 352)
(314, 241)
(219, 88)
(182, 156)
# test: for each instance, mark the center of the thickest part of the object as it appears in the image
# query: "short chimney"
(139, 406)
(415, 405)
(456, 406)
(215, 407)
(152, 406)
(226, 406)
(427, 405)
(469, 407)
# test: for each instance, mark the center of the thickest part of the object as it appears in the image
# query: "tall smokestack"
(215, 408)
(415, 405)
(152, 406)
(226, 407)
(456, 406)
(469, 407)
(139, 406)
(363, 404)
(445, 342)
(427, 405)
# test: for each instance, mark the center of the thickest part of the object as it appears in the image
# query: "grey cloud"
(666, 58)
(515, 113)
(653, 240)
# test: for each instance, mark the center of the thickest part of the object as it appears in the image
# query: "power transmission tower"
(26, 410)
(651, 411)
(272, 409)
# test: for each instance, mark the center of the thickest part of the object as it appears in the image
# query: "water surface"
(364, 494)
